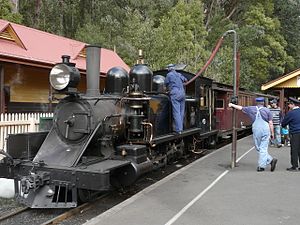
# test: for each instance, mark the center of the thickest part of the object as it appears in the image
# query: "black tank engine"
(102, 141)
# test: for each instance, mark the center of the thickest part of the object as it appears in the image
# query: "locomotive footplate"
(56, 187)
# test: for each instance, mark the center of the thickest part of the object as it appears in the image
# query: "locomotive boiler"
(99, 142)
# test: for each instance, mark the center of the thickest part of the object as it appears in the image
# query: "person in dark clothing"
(262, 128)
(292, 118)
(175, 83)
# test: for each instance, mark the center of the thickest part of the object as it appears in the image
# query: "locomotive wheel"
(85, 195)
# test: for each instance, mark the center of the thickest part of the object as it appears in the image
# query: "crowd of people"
(271, 128)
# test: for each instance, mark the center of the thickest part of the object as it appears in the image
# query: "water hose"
(218, 45)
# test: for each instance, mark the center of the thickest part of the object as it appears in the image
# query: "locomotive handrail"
(2, 152)
(151, 130)
(137, 99)
(103, 98)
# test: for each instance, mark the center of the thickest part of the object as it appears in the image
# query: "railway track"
(86, 211)
(12, 216)
(12, 213)
(80, 209)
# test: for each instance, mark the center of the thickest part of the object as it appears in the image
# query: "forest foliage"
(178, 31)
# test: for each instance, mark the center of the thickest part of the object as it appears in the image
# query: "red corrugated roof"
(48, 48)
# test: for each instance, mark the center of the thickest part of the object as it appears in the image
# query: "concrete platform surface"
(209, 192)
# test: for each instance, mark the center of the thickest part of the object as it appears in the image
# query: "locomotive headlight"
(63, 76)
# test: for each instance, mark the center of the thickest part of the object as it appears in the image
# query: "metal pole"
(281, 100)
(234, 130)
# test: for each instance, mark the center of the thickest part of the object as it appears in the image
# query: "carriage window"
(220, 103)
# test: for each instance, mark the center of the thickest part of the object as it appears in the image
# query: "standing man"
(175, 83)
(292, 118)
(276, 113)
(262, 127)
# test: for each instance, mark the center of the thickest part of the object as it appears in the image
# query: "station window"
(241, 100)
(249, 100)
(245, 100)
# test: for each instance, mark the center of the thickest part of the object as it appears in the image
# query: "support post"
(235, 88)
(281, 100)
(2, 96)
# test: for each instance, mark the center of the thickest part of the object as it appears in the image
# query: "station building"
(26, 58)
(285, 86)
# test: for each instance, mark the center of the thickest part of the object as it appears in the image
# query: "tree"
(138, 34)
(59, 17)
(180, 37)
(217, 23)
(288, 13)
(6, 12)
(262, 47)
(182, 31)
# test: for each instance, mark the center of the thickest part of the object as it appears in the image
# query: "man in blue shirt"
(262, 128)
(175, 83)
(292, 118)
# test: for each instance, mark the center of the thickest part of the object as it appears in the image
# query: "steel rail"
(11, 214)
(80, 209)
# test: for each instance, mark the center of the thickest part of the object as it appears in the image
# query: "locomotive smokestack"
(92, 70)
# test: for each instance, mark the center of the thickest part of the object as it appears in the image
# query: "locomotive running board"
(173, 136)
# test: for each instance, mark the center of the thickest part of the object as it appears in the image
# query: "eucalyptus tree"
(181, 37)
(217, 22)
(288, 13)
(262, 46)
(59, 17)
(7, 12)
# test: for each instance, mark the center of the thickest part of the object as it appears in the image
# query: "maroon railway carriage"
(223, 95)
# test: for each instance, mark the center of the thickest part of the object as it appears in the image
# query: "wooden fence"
(14, 123)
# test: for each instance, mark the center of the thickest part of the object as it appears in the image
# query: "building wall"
(291, 83)
(26, 84)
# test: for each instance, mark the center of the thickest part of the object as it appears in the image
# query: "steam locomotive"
(102, 141)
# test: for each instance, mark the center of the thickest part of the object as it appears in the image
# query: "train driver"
(175, 84)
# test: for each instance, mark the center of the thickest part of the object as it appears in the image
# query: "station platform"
(209, 192)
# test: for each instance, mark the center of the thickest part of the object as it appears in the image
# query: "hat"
(171, 66)
(260, 99)
(274, 101)
(293, 101)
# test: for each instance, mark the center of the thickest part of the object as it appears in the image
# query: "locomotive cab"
(199, 103)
